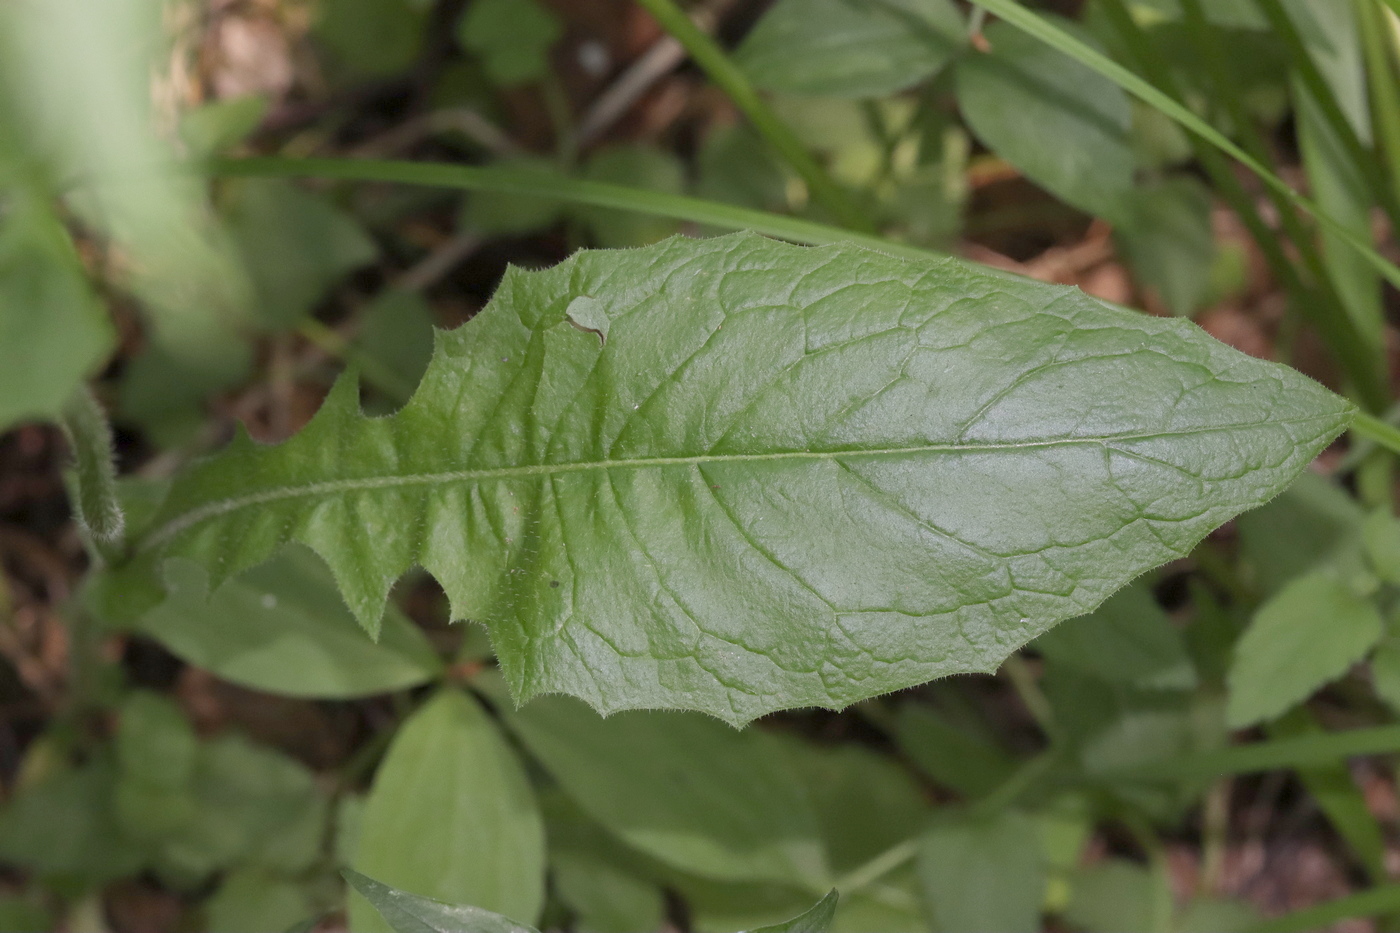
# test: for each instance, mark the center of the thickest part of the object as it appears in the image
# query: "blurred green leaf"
(396, 331)
(64, 827)
(246, 798)
(154, 741)
(296, 244)
(1240, 14)
(644, 167)
(734, 165)
(850, 48)
(408, 913)
(53, 330)
(157, 754)
(79, 75)
(1381, 537)
(686, 789)
(1112, 896)
(494, 213)
(1307, 635)
(1061, 124)
(163, 390)
(512, 38)
(250, 900)
(377, 37)
(984, 873)
(1341, 189)
(864, 803)
(21, 913)
(1311, 524)
(451, 814)
(954, 757)
(1165, 231)
(1128, 639)
(1385, 667)
(1066, 826)
(213, 128)
(1108, 725)
(1116, 895)
(1339, 184)
(1215, 915)
(605, 898)
(283, 628)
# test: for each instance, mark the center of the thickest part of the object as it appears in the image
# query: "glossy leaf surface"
(736, 476)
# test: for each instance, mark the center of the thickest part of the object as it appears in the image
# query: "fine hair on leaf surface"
(787, 477)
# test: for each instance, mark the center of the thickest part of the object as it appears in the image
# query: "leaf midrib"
(186, 520)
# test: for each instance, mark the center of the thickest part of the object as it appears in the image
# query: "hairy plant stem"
(732, 80)
(1374, 429)
(98, 508)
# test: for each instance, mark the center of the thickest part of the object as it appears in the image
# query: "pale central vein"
(214, 509)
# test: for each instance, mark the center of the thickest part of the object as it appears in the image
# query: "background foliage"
(1211, 749)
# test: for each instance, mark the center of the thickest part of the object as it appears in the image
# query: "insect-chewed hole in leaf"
(588, 314)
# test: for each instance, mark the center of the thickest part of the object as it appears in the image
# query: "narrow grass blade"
(1324, 916)
(1012, 12)
(1297, 752)
(537, 184)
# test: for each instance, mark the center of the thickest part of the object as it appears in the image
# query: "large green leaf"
(687, 790)
(850, 48)
(452, 815)
(737, 476)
